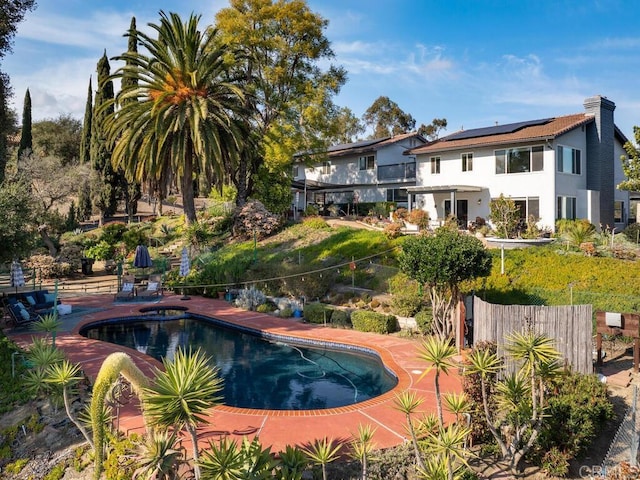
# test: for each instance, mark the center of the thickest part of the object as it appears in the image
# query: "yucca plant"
(362, 446)
(182, 393)
(293, 463)
(408, 402)
(67, 375)
(159, 457)
(49, 323)
(448, 446)
(439, 353)
(322, 452)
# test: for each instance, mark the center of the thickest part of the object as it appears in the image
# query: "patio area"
(275, 428)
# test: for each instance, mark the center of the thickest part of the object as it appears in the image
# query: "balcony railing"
(398, 171)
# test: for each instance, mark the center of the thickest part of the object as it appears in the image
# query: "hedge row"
(366, 321)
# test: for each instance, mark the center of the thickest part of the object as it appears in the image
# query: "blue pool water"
(274, 374)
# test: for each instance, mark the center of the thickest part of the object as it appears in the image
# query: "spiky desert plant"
(67, 375)
(293, 463)
(182, 393)
(439, 353)
(362, 446)
(322, 452)
(49, 323)
(159, 457)
(114, 365)
(408, 402)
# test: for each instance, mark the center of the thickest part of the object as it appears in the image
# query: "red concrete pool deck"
(275, 428)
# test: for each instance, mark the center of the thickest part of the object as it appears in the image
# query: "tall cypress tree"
(105, 183)
(131, 188)
(26, 139)
(7, 122)
(85, 141)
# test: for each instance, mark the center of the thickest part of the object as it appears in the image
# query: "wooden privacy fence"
(570, 326)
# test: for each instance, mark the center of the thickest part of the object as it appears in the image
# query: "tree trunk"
(196, 455)
(188, 201)
(67, 407)
(42, 230)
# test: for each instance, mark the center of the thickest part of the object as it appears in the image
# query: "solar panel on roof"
(496, 130)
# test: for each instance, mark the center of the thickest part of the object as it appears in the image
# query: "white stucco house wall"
(561, 167)
(374, 170)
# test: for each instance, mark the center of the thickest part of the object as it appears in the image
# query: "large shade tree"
(441, 262)
(386, 118)
(290, 102)
(12, 12)
(184, 117)
(631, 164)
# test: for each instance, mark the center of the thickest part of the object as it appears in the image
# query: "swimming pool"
(260, 371)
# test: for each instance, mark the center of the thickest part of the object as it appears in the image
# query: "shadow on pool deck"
(275, 428)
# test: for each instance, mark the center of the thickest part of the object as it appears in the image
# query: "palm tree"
(186, 117)
(182, 393)
(439, 352)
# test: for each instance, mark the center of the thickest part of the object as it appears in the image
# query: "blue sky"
(474, 62)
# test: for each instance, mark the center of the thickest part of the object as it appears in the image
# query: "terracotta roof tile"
(551, 129)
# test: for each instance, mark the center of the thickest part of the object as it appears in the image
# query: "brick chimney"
(600, 160)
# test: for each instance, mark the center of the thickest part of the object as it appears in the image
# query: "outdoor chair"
(154, 287)
(128, 291)
(19, 314)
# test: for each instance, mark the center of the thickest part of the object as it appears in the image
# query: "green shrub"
(424, 319)
(365, 321)
(56, 472)
(113, 232)
(286, 313)
(576, 413)
(632, 232)
(120, 462)
(315, 222)
(340, 318)
(17, 466)
(134, 236)
(555, 463)
(311, 211)
(264, 308)
(407, 299)
(317, 313)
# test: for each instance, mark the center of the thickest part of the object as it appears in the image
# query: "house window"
(326, 168)
(467, 162)
(367, 163)
(435, 165)
(528, 207)
(566, 208)
(568, 160)
(397, 195)
(618, 211)
(295, 171)
(519, 160)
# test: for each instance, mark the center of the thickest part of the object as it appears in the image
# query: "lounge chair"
(19, 314)
(154, 287)
(128, 291)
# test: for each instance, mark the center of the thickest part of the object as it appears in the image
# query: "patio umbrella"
(142, 258)
(17, 277)
(185, 266)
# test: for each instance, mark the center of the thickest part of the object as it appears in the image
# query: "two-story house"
(367, 171)
(554, 168)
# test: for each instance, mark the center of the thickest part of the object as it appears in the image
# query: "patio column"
(454, 207)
